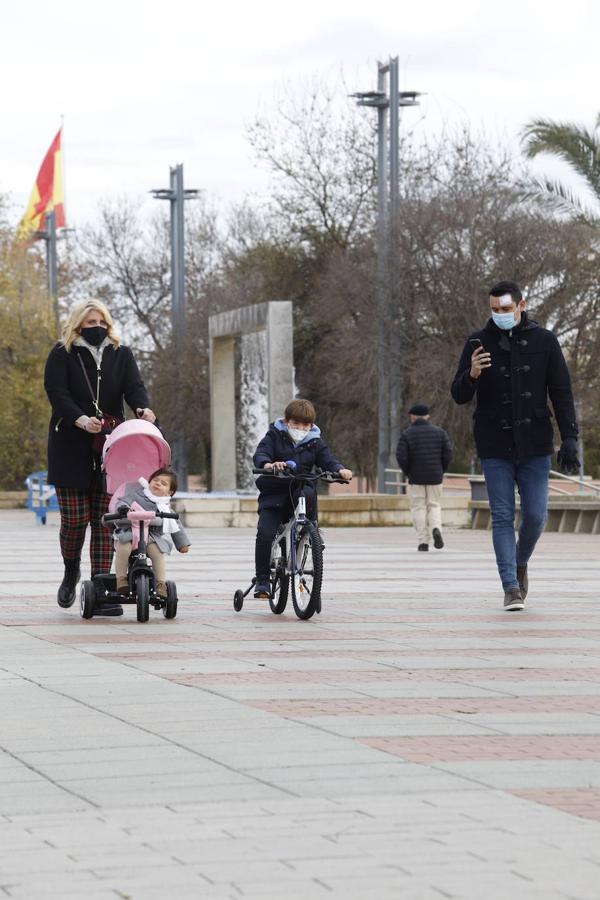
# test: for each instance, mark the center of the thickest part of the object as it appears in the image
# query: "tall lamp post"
(177, 196)
(387, 100)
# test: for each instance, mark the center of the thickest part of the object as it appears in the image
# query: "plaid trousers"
(78, 509)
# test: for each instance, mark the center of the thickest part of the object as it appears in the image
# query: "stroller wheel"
(87, 597)
(170, 607)
(238, 600)
(142, 591)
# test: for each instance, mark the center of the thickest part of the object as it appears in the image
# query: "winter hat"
(419, 409)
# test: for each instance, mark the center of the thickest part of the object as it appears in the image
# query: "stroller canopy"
(134, 449)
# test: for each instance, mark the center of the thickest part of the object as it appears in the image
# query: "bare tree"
(321, 152)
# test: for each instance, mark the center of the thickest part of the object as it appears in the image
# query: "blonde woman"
(88, 375)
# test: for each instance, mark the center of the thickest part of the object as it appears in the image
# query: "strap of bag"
(89, 384)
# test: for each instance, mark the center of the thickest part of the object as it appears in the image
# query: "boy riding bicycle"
(293, 438)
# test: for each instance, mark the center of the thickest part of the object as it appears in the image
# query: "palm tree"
(580, 149)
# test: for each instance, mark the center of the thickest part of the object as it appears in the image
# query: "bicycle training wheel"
(308, 572)
(280, 582)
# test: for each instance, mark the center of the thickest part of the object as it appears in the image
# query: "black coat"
(71, 461)
(276, 446)
(424, 452)
(511, 417)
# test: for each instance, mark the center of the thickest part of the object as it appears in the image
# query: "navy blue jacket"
(278, 445)
(512, 418)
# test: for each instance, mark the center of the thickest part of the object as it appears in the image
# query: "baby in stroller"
(140, 513)
(154, 494)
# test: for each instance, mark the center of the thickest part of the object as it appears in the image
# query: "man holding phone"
(512, 367)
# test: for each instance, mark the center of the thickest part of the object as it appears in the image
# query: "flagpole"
(48, 235)
(63, 165)
(51, 260)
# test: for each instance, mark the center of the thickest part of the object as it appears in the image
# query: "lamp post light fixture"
(387, 100)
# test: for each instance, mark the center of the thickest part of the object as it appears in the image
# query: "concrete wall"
(353, 510)
(12, 499)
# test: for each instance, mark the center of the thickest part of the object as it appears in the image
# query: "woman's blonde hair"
(77, 316)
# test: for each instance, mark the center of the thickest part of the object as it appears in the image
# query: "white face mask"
(504, 320)
(297, 434)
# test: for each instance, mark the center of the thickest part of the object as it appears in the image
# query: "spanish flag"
(47, 194)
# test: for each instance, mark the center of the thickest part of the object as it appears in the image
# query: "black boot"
(66, 592)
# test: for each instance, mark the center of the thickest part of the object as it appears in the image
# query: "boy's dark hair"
(167, 470)
(300, 411)
(507, 287)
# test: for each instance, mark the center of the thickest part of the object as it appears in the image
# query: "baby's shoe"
(161, 589)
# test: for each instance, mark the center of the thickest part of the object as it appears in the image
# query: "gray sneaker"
(523, 580)
(513, 599)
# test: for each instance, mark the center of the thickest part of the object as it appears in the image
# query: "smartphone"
(475, 343)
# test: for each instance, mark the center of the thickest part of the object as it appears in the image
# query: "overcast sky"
(144, 85)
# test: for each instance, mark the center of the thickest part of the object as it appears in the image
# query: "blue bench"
(41, 496)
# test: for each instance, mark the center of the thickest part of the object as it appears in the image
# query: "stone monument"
(251, 382)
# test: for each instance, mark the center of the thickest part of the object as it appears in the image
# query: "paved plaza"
(413, 741)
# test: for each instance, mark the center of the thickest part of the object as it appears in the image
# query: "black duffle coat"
(71, 460)
(512, 418)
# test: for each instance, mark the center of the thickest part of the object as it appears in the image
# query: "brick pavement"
(413, 741)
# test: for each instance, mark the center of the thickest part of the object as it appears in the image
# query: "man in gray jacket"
(424, 452)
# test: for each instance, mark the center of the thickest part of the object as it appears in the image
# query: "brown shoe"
(523, 580)
(513, 599)
(161, 589)
(123, 586)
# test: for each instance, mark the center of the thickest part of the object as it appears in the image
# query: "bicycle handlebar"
(290, 475)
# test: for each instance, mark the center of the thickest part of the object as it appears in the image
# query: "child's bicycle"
(296, 552)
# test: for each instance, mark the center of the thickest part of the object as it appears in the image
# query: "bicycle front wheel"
(307, 574)
(280, 581)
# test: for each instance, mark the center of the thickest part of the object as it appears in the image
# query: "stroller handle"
(112, 517)
(123, 515)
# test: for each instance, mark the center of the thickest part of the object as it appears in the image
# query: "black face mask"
(95, 335)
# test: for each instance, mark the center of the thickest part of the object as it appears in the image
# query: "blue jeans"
(530, 474)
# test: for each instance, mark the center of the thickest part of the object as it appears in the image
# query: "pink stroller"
(134, 449)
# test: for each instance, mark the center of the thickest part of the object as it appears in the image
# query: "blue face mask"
(505, 321)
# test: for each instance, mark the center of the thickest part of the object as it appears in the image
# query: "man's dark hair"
(167, 470)
(507, 287)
